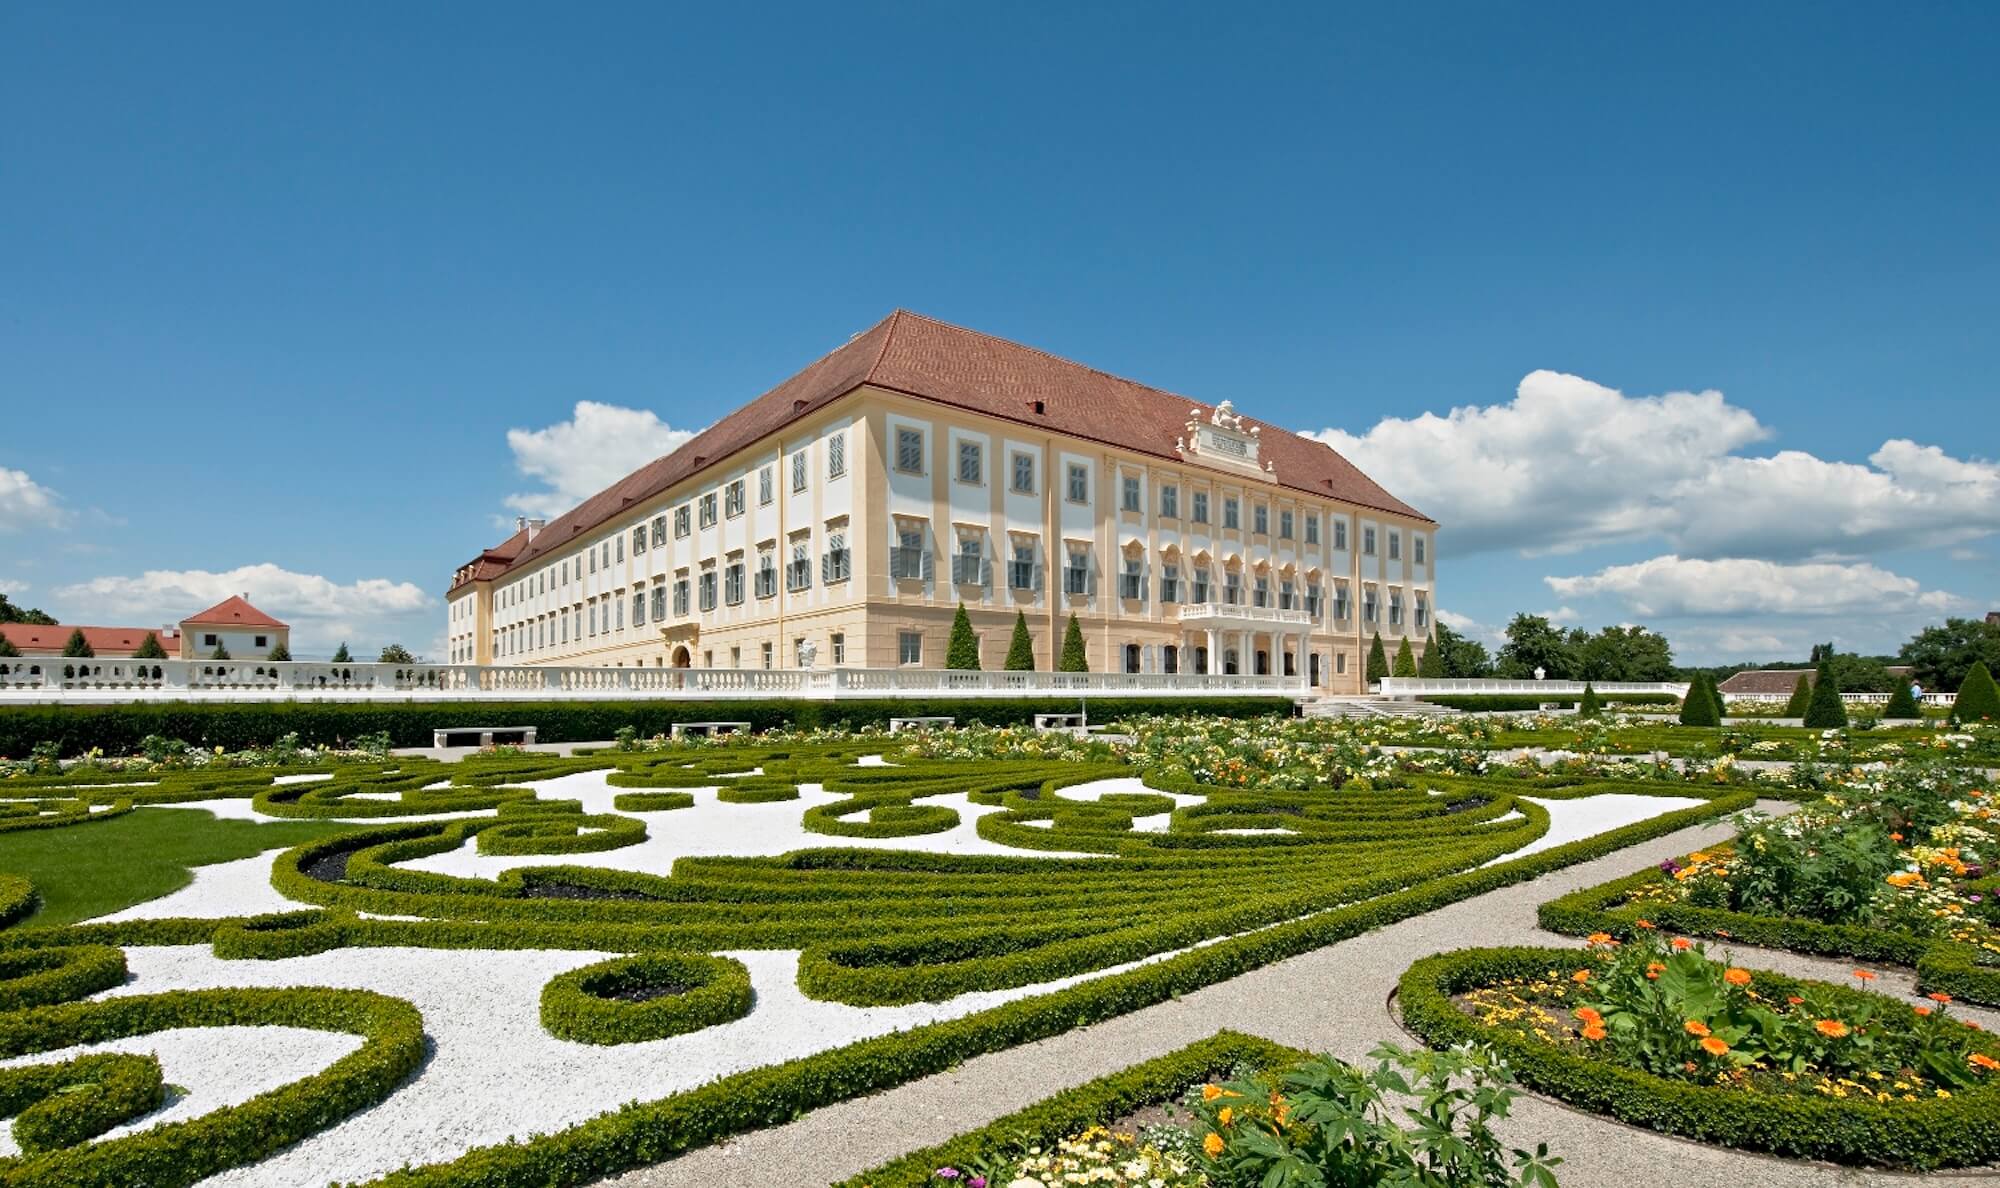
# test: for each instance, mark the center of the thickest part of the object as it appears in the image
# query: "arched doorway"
(681, 658)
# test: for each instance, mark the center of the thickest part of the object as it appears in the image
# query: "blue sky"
(276, 284)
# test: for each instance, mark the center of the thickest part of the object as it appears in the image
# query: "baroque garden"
(1160, 952)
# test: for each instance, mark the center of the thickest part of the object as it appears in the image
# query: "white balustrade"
(1471, 687)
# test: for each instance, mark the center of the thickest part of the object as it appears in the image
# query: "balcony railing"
(39, 679)
(1221, 615)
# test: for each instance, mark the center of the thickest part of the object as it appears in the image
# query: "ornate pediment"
(1223, 438)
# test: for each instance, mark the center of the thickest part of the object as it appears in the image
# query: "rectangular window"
(660, 601)
(1232, 513)
(1368, 542)
(732, 499)
(1286, 598)
(708, 590)
(838, 641)
(968, 568)
(1312, 528)
(971, 463)
(1260, 520)
(659, 531)
(1021, 570)
(1232, 589)
(1417, 549)
(1023, 475)
(1200, 509)
(910, 647)
(1368, 606)
(1170, 583)
(680, 522)
(681, 597)
(1263, 591)
(621, 548)
(1284, 525)
(910, 451)
(1312, 602)
(1423, 611)
(798, 472)
(638, 540)
(1200, 583)
(767, 575)
(1340, 535)
(764, 485)
(1340, 663)
(1395, 546)
(1341, 602)
(707, 506)
(765, 648)
(836, 565)
(732, 584)
(638, 610)
(1079, 483)
(1076, 574)
(836, 459)
(1170, 502)
(1132, 582)
(593, 560)
(1395, 608)
(908, 557)
(1129, 498)
(798, 574)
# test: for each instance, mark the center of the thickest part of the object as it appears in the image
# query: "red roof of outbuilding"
(233, 611)
(34, 637)
(931, 360)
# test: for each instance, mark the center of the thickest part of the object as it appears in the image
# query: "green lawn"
(88, 870)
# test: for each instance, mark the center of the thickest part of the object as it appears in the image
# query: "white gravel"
(241, 887)
(1588, 816)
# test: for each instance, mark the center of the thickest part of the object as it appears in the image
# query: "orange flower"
(1864, 975)
(1225, 1115)
(1682, 944)
(1580, 976)
(1922, 1010)
(1895, 837)
(1713, 1046)
(1793, 999)
(1723, 933)
(1653, 971)
(1645, 924)
(1939, 996)
(1982, 1060)
(1600, 938)
(1210, 1092)
(1831, 1028)
(1589, 1015)
(1736, 977)
(1695, 1027)
(1213, 1144)
(1594, 1032)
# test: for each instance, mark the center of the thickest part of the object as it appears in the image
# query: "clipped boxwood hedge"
(699, 990)
(118, 729)
(1093, 1103)
(1510, 703)
(1960, 1131)
(60, 1105)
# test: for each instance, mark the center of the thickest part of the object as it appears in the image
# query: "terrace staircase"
(1369, 707)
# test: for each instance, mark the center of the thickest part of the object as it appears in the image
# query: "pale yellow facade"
(854, 533)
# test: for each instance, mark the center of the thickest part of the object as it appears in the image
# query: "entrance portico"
(1247, 640)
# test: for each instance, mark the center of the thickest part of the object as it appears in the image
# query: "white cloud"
(577, 458)
(1675, 587)
(1569, 464)
(1472, 628)
(26, 503)
(322, 613)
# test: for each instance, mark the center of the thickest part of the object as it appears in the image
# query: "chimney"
(535, 526)
(520, 522)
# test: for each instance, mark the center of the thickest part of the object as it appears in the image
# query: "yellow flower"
(1225, 1115)
(1213, 1144)
(1210, 1092)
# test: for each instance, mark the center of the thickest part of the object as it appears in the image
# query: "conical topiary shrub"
(1431, 666)
(1590, 706)
(1021, 649)
(1902, 703)
(1801, 698)
(1715, 695)
(1406, 661)
(281, 652)
(150, 649)
(962, 651)
(77, 646)
(1826, 711)
(342, 656)
(1698, 708)
(1977, 698)
(1378, 660)
(1074, 659)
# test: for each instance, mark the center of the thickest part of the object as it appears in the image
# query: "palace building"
(841, 518)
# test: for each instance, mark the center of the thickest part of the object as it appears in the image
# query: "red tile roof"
(935, 361)
(493, 562)
(1764, 682)
(233, 611)
(105, 641)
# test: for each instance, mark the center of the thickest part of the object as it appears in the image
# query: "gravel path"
(1335, 1000)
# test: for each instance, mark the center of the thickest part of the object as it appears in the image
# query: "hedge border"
(38, 977)
(1093, 1103)
(60, 1105)
(716, 990)
(1962, 1131)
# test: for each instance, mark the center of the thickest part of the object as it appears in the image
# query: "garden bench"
(709, 728)
(1072, 722)
(487, 735)
(898, 725)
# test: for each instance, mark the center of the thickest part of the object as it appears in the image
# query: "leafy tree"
(393, 654)
(1406, 661)
(1977, 700)
(1860, 674)
(77, 646)
(7, 648)
(1943, 656)
(341, 655)
(1021, 649)
(1378, 660)
(1532, 642)
(1621, 654)
(1590, 706)
(150, 649)
(1801, 698)
(1902, 704)
(962, 650)
(220, 653)
(9, 613)
(1701, 705)
(1074, 658)
(1463, 659)
(1826, 711)
(281, 652)
(1431, 663)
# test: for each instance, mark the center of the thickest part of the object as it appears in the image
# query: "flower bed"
(1658, 1035)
